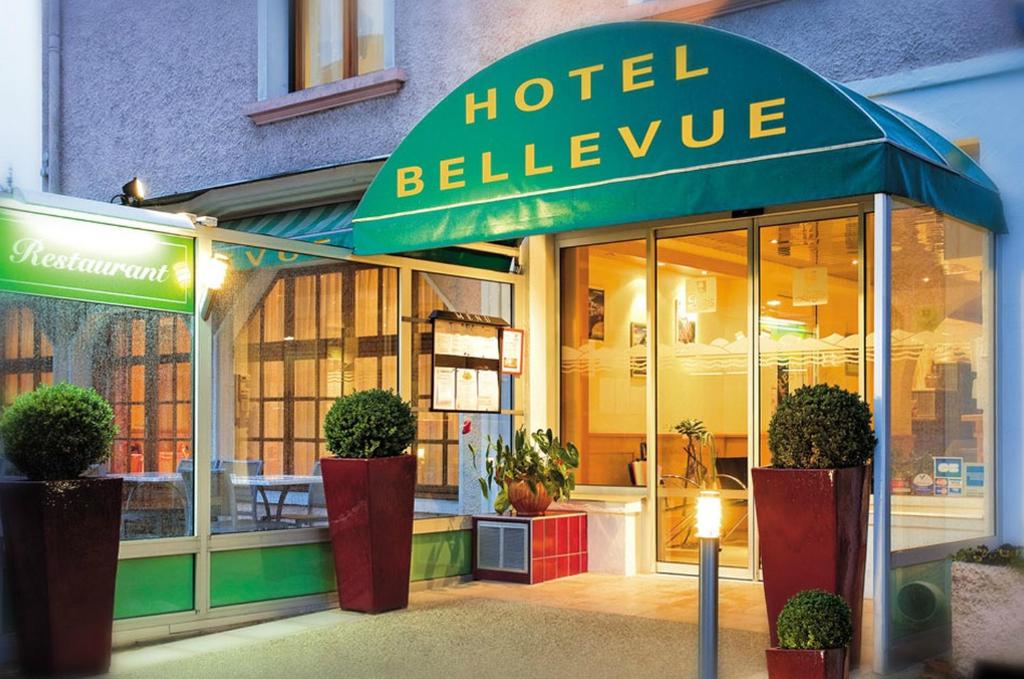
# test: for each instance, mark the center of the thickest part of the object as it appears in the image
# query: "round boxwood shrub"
(371, 423)
(815, 620)
(821, 427)
(57, 432)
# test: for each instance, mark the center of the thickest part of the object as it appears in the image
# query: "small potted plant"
(814, 631)
(987, 592)
(812, 502)
(62, 531)
(369, 486)
(533, 472)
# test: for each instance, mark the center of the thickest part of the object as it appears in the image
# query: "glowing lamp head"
(133, 192)
(709, 514)
(216, 271)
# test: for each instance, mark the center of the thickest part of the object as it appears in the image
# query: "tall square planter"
(812, 526)
(370, 512)
(784, 663)
(987, 622)
(62, 540)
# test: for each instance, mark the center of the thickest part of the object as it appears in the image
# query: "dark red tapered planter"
(62, 540)
(370, 507)
(813, 526)
(784, 663)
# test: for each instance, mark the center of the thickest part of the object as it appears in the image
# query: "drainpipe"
(51, 158)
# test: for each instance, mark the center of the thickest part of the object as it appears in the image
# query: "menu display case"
(466, 368)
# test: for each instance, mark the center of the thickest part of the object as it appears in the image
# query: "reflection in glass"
(141, 362)
(703, 359)
(604, 359)
(941, 405)
(290, 334)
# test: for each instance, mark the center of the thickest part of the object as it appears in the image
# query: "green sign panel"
(45, 254)
(622, 123)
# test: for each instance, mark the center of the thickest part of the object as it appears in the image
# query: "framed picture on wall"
(595, 314)
(638, 334)
(686, 328)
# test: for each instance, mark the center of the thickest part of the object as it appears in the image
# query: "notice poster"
(466, 390)
(488, 398)
(444, 388)
(701, 295)
(512, 351)
(975, 480)
(810, 286)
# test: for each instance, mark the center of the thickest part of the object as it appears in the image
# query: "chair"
(316, 504)
(243, 468)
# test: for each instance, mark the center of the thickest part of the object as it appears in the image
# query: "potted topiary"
(369, 486)
(814, 631)
(62, 531)
(987, 597)
(812, 502)
(533, 472)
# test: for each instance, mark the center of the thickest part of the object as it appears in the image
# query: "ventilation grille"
(502, 546)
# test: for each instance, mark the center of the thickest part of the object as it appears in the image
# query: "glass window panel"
(165, 382)
(284, 330)
(183, 383)
(704, 354)
(320, 32)
(941, 402)
(809, 329)
(440, 432)
(374, 30)
(138, 392)
(138, 337)
(166, 420)
(183, 420)
(603, 357)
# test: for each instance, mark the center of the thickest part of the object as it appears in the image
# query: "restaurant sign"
(56, 256)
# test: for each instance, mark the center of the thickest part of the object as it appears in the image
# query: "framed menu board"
(466, 369)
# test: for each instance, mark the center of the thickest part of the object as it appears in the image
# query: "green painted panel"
(154, 585)
(441, 555)
(263, 573)
(44, 254)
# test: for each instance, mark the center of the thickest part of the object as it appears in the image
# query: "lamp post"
(709, 528)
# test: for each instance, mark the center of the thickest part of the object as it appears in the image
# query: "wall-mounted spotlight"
(214, 273)
(132, 193)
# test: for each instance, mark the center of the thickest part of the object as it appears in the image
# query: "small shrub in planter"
(821, 427)
(57, 525)
(815, 629)
(54, 433)
(369, 487)
(369, 424)
(815, 620)
(987, 597)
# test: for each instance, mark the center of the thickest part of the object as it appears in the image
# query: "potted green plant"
(987, 592)
(62, 531)
(530, 474)
(698, 439)
(814, 632)
(812, 502)
(369, 485)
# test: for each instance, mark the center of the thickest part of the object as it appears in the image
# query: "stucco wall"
(157, 88)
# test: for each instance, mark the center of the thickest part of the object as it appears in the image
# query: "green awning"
(326, 224)
(631, 122)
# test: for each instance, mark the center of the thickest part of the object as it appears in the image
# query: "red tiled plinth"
(557, 547)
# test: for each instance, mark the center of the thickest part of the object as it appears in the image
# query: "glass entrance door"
(703, 386)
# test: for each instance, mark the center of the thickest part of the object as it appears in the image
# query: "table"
(283, 483)
(136, 480)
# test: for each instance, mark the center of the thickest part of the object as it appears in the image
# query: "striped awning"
(326, 224)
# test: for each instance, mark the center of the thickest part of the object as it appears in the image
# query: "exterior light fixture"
(132, 193)
(709, 530)
(214, 273)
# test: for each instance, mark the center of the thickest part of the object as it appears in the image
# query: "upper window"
(338, 39)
